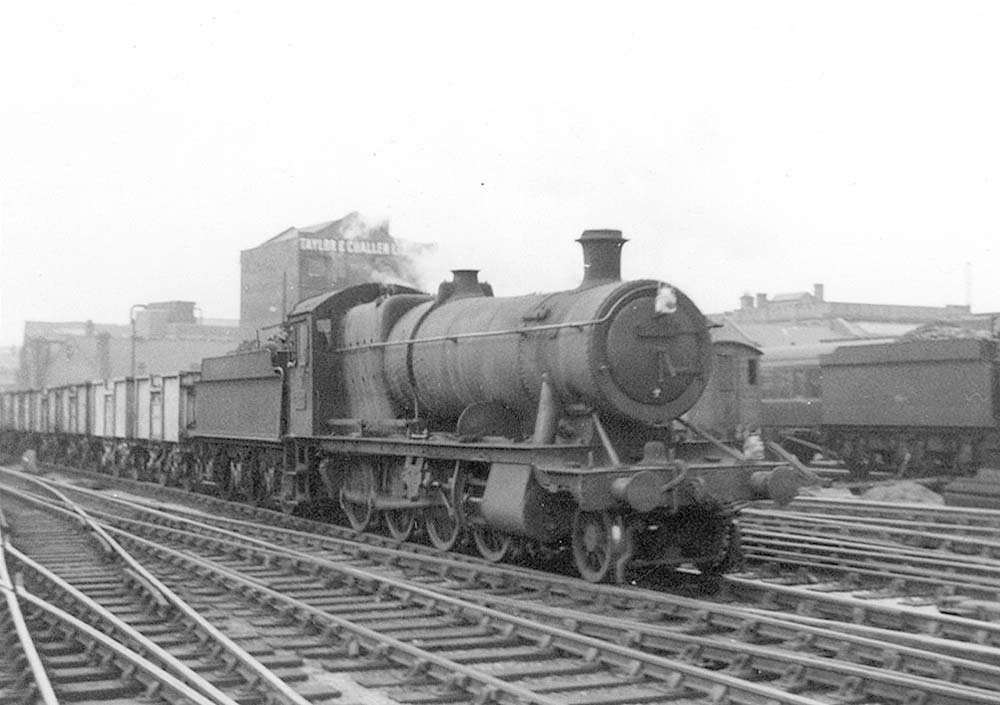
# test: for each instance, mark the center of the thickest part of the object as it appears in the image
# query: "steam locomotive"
(529, 424)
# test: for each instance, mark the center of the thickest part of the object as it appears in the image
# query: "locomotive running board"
(440, 447)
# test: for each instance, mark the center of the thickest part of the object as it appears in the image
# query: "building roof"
(319, 227)
(726, 330)
(60, 329)
(342, 227)
(808, 354)
(767, 335)
(794, 296)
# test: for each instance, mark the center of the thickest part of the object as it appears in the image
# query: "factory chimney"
(818, 292)
(602, 256)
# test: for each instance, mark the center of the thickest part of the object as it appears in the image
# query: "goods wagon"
(931, 404)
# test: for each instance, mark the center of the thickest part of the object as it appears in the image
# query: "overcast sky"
(746, 146)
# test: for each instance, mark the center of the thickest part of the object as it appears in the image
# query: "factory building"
(166, 337)
(9, 357)
(806, 318)
(299, 263)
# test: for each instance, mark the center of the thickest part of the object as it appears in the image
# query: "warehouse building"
(166, 337)
(806, 318)
(299, 263)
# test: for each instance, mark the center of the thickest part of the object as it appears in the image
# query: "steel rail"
(332, 625)
(489, 688)
(132, 664)
(817, 551)
(971, 516)
(945, 537)
(158, 590)
(864, 575)
(862, 679)
(628, 659)
(834, 607)
(806, 602)
(124, 633)
(407, 588)
(872, 681)
(40, 678)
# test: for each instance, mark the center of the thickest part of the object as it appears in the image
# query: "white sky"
(740, 146)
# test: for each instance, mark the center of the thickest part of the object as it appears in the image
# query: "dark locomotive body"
(907, 406)
(522, 424)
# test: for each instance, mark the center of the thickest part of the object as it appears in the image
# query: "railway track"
(417, 645)
(948, 538)
(963, 520)
(120, 599)
(790, 654)
(914, 562)
(59, 655)
(23, 678)
(849, 599)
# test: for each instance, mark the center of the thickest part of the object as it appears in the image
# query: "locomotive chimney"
(465, 283)
(602, 256)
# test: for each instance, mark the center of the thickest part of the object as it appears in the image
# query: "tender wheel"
(444, 522)
(400, 523)
(493, 545)
(592, 545)
(357, 495)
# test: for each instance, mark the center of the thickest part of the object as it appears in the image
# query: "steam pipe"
(547, 418)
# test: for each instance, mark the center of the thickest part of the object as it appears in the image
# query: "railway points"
(957, 653)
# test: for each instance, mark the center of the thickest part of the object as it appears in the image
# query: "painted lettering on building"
(351, 247)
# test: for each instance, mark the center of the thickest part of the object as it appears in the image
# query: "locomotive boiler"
(537, 424)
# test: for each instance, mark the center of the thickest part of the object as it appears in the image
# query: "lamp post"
(134, 421)
(131, 318)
